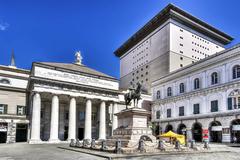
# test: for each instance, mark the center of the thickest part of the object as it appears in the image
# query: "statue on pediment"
(78, 58)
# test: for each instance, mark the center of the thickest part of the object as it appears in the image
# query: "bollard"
(192, 144)
(118, 147)
(141, 145)
(104, 145)
(206, 144)
(160, 145)
(78, 144)
(93, 144)
(72, 143)
(177, 145)
(84, 143)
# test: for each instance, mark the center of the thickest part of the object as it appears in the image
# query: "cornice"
(68, 85)
(200, 92)
(202, 116)
(173, 12)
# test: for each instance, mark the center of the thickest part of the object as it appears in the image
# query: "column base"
(35, 141)
(69, 140)
(88, 140)
(102, 139)
(54, 141)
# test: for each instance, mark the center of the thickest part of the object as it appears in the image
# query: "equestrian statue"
(133, 94)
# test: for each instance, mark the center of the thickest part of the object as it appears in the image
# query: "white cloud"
(3, 26)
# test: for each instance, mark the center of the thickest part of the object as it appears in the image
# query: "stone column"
(72, 119)
(102, 124)
(54, 119)
(88, 120)
(35, 124)
(114, 118)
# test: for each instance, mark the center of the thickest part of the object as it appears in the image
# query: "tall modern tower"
(170, 40)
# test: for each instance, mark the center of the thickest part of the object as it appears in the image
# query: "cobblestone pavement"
(203, 156)
(51, 152)
(39, 152)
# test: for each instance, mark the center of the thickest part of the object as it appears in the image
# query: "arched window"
(4, 81)
(234, 100)
(181, 88)
(158, 94)
(196, 83)
(236, 71)
(169, 91)
(214, 78)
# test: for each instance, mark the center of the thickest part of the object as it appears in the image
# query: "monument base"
(132, 126)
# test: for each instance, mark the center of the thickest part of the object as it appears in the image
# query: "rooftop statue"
(78, 58)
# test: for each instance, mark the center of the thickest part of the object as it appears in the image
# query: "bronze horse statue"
(133, 94)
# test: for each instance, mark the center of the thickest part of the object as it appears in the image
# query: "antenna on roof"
(78, 58)
(13, 64)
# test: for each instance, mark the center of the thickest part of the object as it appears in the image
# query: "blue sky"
(52, 30)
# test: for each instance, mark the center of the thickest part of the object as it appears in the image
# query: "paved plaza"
(39, 152)
(52, 152)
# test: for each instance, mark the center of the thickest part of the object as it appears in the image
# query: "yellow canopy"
(170, 134)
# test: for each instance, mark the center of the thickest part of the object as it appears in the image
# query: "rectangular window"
(238, 102)
(94, 117)
(196, 109)
(21, 110)
(3, 109)
(214, 106)
(229, 103)
(181, 111)
(158, 115)
(169, 113)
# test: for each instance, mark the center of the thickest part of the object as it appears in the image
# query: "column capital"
(35, 92)
(71, 96)
(54, 94)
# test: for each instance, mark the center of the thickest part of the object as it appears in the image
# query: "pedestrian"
(234, 139)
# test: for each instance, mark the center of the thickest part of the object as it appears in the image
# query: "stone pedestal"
(132, 125)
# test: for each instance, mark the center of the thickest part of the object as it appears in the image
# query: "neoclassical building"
(69, 101)
(56, 102)
(201, 100)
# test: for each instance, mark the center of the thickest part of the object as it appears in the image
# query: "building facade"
(56, 102)
(201, 100)
(13, 104)
(169, 41)
(70, 101)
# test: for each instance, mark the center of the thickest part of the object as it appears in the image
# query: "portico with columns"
(71, 101)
